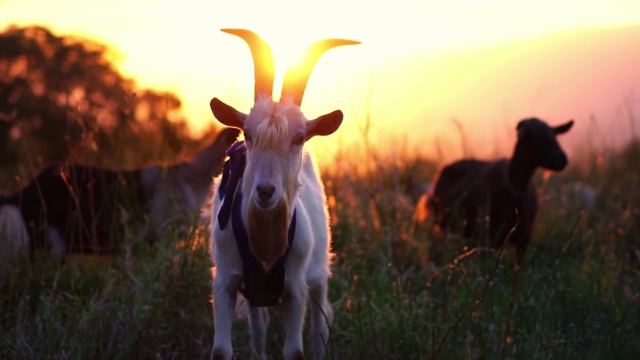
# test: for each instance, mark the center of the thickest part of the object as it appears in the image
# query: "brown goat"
(501, 190)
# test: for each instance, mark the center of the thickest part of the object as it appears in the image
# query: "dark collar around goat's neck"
(260, 288)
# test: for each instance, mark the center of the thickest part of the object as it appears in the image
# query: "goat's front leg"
(293, 304)
(470, 220)
(225, 289)
(321, 316)
(258, 321)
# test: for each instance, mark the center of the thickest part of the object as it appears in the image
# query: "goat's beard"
(268, 232)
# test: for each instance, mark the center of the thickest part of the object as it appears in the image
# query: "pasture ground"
(398, 290)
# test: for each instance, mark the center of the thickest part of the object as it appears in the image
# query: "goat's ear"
(324, 125)
(561, 129)
(226, 114)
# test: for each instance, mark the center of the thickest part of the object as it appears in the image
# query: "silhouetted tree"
(62, 99)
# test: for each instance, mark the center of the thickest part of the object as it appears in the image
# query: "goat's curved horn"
(263, 64)
(296, 77)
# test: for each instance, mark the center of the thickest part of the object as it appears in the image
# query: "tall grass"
(398, 291)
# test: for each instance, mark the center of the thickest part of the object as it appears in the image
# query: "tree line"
(62, 99)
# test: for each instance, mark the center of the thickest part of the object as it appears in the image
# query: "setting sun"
(420, 63)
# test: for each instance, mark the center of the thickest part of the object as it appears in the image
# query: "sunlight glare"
(398, 80)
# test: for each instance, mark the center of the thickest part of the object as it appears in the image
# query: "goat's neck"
(521, 169)
(202, 162)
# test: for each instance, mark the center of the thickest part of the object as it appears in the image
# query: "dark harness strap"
(232, 172)
(242, 238)
(260, 288)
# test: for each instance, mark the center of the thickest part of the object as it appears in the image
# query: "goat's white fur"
(307, 268)
(14, 239)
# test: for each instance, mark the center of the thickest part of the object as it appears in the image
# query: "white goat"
(280, 198)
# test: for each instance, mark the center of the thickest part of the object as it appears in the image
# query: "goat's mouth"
(265, 205)
(557, 165)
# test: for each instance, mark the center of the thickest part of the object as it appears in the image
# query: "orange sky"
(176, 45)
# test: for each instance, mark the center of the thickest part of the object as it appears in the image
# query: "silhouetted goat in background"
(73, 208)
(501, 190)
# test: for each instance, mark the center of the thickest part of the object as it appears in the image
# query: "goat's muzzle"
(265, 195)
(558, 162)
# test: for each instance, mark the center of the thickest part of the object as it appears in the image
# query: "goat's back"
(81, 202)
(454, 184)
(455, 180)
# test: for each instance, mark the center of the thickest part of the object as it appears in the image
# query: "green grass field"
(398, 291)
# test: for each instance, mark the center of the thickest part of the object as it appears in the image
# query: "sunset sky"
(176, 45)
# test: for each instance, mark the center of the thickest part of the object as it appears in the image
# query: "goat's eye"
(298, 139)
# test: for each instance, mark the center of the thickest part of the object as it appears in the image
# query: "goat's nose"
(265, 192)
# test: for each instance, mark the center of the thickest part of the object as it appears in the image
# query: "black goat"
(501, 190)
(73, 208)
